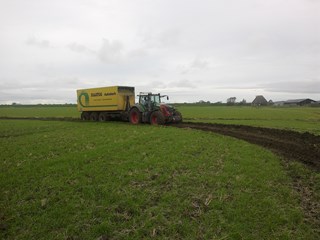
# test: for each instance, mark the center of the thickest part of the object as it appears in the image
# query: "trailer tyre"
(85, 116)
(94, 116)
(103, 117)
(135, 116)
(157, 118)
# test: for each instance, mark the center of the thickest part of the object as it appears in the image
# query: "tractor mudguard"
(139, 106)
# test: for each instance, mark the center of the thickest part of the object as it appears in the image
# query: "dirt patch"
(303, 147)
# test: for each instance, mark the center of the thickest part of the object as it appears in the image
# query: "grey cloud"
(161, 39)
(80, 48)
(230, 46)
(139, 52)
(196, 64)
(307, 87)
(33, 41)
(156, 84)
(111, 51)
(53, 90)
(184, 84)
(53, 83)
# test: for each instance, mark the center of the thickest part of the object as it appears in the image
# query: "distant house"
(315, 104)
(299, 102)
(279, 103)
(259, 101)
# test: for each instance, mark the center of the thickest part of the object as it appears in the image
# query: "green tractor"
(151, 110)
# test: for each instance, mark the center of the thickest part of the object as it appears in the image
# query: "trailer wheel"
(135, 116)
(94, 116)
(85, 116)
(103, 117)
(157, 118)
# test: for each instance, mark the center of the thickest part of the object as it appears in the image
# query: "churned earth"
(303, 147)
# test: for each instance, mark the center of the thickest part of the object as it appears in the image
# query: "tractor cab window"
(143, 100)
(155, 99)
(149, 100)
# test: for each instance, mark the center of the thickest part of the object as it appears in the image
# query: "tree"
(231, 100)
(243, 102)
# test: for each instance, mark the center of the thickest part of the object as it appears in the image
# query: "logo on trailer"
(86, 99)
(98, 94)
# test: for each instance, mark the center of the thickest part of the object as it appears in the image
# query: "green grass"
(293, 118)
(82, 180)
(39, 111)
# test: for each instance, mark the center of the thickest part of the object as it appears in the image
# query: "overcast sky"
(189, 49)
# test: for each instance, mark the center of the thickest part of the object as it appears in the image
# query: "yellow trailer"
(118, 102)
(106, 102)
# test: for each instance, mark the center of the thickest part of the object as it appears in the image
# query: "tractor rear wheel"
(94, 116)
(157, 118)
(135, 116)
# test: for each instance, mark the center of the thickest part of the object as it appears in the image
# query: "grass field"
(39, 111)
(293, 118)
(113, 180)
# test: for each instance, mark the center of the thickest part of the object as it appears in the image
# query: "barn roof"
(259, 100)
(298, 100)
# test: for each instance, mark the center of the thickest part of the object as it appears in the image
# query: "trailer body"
(107, 99)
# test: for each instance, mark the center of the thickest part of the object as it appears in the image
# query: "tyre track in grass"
(291, 146)
(302, 147)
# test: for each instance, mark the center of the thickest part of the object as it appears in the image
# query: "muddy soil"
(303, 147)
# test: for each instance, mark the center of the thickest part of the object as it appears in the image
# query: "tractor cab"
(150, 101)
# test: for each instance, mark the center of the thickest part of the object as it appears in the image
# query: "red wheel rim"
(154, 120)
(134, 117)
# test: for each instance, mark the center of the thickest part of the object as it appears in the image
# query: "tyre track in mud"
(303, 147)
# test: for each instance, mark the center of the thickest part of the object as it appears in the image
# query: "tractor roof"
(147, 93)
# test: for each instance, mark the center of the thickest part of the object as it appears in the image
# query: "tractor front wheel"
(135, 116)
(178, 117)
(157, 118)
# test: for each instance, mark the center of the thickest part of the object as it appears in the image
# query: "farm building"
(260, 101)
(278, 103)
(299, 102)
